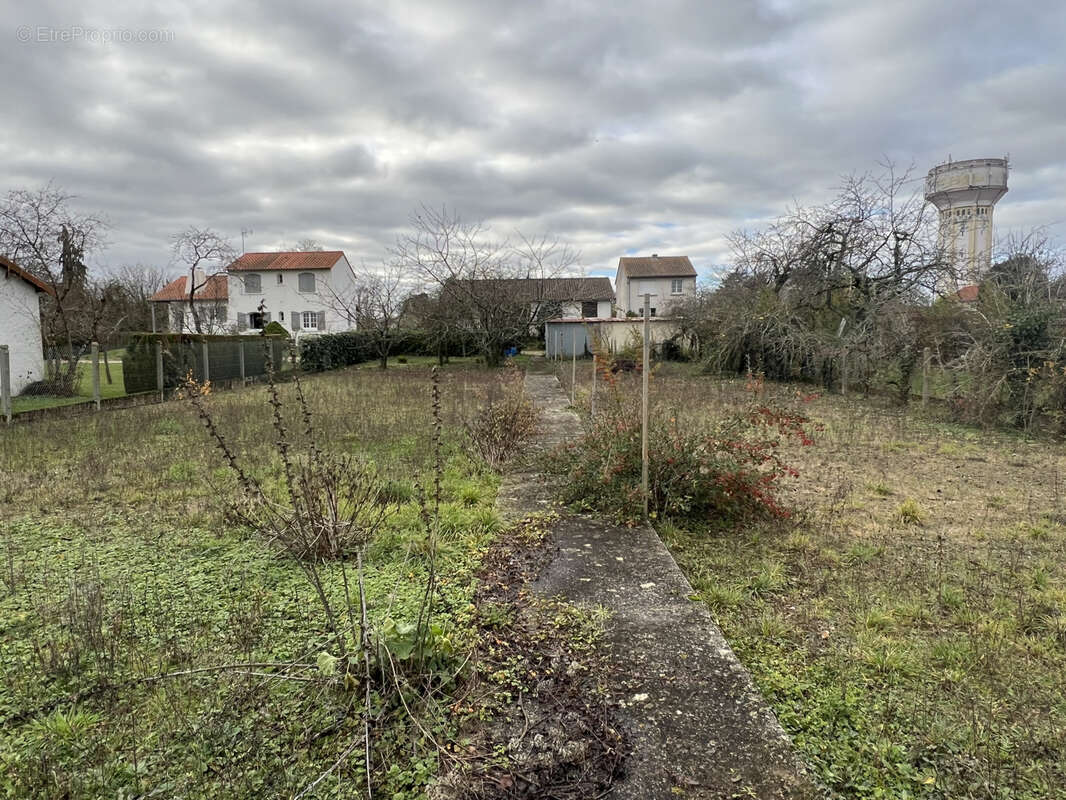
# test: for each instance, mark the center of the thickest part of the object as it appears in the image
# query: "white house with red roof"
(20, 323)
(307, 292)
(175, 312)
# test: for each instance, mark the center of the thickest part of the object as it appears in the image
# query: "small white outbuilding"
(20, 323)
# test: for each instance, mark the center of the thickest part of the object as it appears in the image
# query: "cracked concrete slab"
(698, 726)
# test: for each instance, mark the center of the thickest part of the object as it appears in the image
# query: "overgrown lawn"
(120, 565)
(908, 624)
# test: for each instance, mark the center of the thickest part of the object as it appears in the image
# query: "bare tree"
(307, 245)
(831, 282)
(477, 275)
(41, 232)
(384, 293)
(198, 250)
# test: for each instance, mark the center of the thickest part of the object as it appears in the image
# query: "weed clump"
(725, 469)
(505, 419)
(910, 513)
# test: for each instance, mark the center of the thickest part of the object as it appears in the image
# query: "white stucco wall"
(333, 288)
(20, 330)
(630, 296)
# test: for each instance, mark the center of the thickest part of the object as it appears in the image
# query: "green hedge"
(183, 353)
(333, 350)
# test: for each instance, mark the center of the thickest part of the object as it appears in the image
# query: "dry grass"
(909, 623)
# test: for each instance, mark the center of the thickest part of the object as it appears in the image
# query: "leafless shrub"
(506, 418)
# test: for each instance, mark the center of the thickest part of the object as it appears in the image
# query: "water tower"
(965, 193)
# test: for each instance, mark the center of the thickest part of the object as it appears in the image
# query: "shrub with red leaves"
(726, 469)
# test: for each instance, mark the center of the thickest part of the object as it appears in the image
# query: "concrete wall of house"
(334, 289)
(618, 334)
(176, 316)
(663, 291)
(571, 310)
(20, 330)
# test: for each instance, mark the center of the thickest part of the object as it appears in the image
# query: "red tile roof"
(657, 267)
(315, 259)
(10, 268)
(216, 287)
(967, 294)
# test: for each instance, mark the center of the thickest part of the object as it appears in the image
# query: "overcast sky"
(620, 127)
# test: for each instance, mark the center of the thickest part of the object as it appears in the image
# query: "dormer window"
(306, 281)
(253, 283)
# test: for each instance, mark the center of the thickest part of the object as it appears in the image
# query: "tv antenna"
(244, 231)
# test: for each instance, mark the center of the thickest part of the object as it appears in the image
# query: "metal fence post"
(644, 406)
(240, 358)
(95, 350)
(5, 383)
(159, 370)
(926, 356)
(207, 363)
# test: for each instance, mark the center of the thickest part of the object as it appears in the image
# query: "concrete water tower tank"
(965, 193)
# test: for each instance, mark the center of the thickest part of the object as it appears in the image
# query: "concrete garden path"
(698, 727)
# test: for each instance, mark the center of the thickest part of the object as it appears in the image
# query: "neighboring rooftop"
(10, 268)
(656, 266)
(214, 288)
(312, 259)
(548, 289)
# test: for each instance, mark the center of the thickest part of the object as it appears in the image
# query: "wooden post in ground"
(844, 373)
(5, 383)
(159, 370)
(592, 392)
(926, 357)
(207, 363)
(95, 350)
(573, 368)
(645, 369)
(240, 357)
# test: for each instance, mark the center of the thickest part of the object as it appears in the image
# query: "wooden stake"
(5, 383)
(926, 357)
(95, 349)
(644, 407)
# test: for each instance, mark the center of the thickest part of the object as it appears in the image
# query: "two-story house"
(310, 292)
(206, 312)
(667, 278)
(313, 291)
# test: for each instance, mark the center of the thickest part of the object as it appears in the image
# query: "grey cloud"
(620, 127)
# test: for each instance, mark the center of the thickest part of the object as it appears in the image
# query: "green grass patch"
(129, 567)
